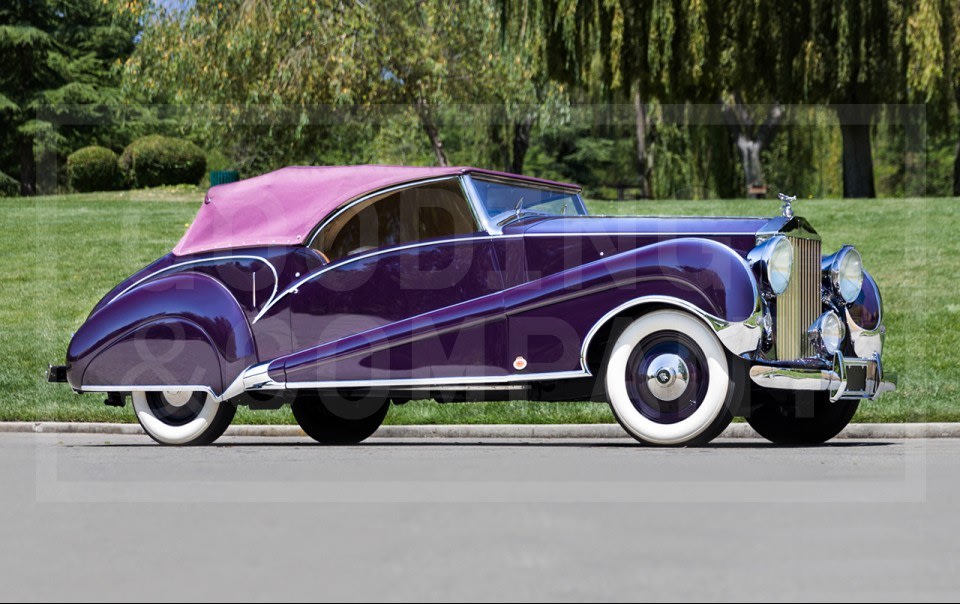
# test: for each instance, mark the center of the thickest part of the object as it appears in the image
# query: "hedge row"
(150, 161)
(93, 169)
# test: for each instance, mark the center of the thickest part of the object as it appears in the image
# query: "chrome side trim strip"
(201, 261)
(148, 388)
(233, 390)
(462, 387)
(256, 378)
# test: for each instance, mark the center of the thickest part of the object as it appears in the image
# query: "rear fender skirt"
(182, 325)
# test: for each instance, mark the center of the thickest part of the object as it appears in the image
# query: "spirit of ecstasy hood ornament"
(786, 209)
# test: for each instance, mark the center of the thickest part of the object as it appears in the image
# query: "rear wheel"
(182, 417)
(339, 420)
(669, 380)
(798, 418)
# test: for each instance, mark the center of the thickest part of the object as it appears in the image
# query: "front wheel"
(669, 380)
(338, 420)
(799, 418)
(182, 417)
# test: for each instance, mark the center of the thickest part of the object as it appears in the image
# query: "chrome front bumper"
(848, 378)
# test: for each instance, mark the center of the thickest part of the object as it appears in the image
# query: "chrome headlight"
(844, 270)
(827, 333)
(775, 259)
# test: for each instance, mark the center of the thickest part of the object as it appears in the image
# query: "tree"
(520, 93)
(323, 61)
(57, 53)
(433, 54)
(949, 77)
(628, 52)
(853, 55)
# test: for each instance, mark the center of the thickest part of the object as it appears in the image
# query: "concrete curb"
(516, 431)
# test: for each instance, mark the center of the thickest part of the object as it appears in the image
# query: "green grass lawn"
(61, 254)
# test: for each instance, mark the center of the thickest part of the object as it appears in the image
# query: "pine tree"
(56, 53)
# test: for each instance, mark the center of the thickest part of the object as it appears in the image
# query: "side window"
(430, 211)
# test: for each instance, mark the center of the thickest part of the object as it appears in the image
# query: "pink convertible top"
(282, 207)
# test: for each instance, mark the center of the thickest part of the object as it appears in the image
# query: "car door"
(412, 291)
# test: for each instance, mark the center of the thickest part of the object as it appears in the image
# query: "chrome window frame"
(479, 210)
(389, 191)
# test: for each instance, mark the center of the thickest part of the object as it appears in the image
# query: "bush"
(93, 169)
(9, 186)
(153, 161)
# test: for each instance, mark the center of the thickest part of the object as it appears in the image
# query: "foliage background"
(559, 88)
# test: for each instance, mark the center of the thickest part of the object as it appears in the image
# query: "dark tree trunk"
(857, 161)
(644, 150)
(857, 152)
(751, 140)
(28, 161)
(500, 152)
(521, 143)
(430, 127)
(956, 172)
(28, 167)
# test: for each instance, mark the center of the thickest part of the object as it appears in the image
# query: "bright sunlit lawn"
(61, 254)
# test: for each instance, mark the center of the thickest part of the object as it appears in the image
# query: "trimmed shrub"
(156, 160)
(93, 169)
(9, 186)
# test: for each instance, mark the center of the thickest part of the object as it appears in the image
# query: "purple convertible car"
(339, 290)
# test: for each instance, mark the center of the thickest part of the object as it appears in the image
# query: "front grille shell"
(795, 310)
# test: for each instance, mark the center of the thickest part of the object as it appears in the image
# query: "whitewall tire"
(182, 417)
(668, 380)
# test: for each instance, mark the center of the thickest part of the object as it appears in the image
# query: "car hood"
(690, 226)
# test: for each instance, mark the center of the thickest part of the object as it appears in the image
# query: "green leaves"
(7, 105)
(25, 36)
(925, 65)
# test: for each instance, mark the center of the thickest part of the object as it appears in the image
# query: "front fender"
(866, 310)
(864, 319)
(184, 329)
(555, 317)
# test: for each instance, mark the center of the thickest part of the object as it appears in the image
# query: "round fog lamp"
(827, 332)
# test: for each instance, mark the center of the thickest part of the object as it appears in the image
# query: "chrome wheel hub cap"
(177, 398)
(667, 377)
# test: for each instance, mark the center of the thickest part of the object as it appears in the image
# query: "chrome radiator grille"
(799, 305)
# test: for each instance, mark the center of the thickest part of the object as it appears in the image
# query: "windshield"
(500, 198)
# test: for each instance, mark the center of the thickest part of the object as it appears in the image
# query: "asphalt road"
(118, 518)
